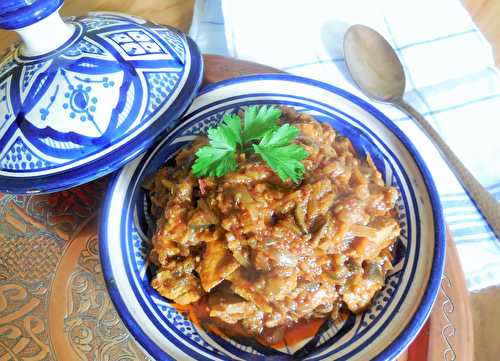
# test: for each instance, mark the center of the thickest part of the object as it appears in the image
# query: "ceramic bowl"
(398, 311)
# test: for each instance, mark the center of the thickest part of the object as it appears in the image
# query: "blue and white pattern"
(103, 97)
(15, 14)
(18, 157)
(399, 310)
(458, 93)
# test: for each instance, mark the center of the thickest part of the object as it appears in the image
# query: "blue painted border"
(423, 311)
(123, 154)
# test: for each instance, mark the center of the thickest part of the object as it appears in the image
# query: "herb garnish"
(260, 124)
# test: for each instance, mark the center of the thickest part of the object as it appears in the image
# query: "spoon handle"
(488, 205)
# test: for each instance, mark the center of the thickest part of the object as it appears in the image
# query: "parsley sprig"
(261, 134)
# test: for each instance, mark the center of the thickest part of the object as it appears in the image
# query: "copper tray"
(54, 304)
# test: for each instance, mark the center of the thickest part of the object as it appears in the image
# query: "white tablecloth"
(451, 79)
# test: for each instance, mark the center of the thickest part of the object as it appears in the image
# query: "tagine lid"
(79, 98)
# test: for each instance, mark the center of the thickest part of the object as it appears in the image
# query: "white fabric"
(451, 79)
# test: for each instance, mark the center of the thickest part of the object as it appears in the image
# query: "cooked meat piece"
(351, 210)
(335, 240)
(184, 191)
(359, 293)
(202, 216)
(240, 253)
(182, 288)
(244, 288)
(277, 287)
(217, 263)
(282, 257)
(254, 323)
(230, 308)
(313, 295)
(385, 230)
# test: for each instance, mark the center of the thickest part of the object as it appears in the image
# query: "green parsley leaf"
(280, 137)
(233, 122)
(282, 157)
(213, 162)
(260, 124)
(258, 121)
(227, 135)
(219, 158)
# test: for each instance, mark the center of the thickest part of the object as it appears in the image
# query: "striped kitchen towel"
(451, 79)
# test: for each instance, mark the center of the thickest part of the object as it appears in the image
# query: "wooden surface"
(486, 316)
(218, 68)
(486, 14)
(172, 12)
(451, 333)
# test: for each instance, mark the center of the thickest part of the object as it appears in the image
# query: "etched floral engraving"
(448, 330)
(23, 334)
(93, 327)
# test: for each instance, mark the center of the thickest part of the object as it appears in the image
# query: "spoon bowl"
(380, 75)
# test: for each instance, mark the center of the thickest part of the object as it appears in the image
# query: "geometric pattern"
(8, 64)
(92, 23)
(181, 323)
(160, 87)
(20, 157)
(16, 257)
(29, 72)
(84, 46)
(173, 39)
(74, 104)
(136, 42)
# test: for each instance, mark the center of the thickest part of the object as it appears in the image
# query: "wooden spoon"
(377, 71)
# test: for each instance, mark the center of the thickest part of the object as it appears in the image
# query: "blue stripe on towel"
(453, 107)
(439, 38)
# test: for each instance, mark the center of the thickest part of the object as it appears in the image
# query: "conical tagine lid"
(79, 98)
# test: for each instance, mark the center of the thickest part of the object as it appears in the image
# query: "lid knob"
(15, 14)
(37, 22)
